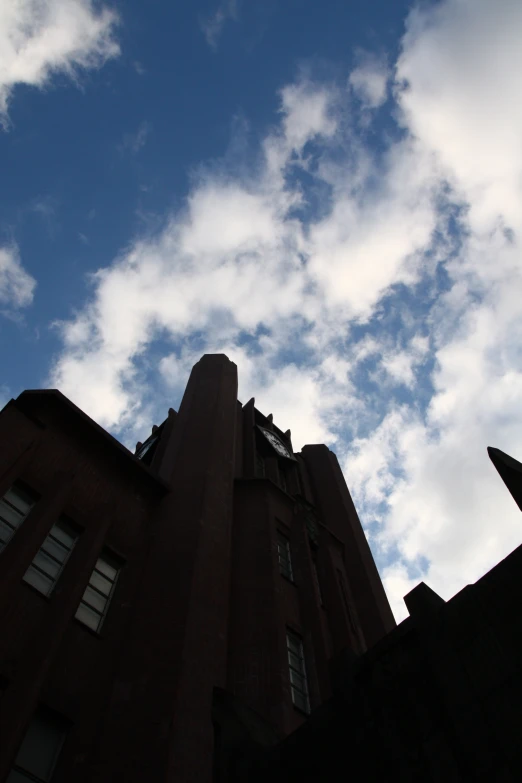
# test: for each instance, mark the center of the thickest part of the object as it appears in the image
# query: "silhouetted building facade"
(170, 615)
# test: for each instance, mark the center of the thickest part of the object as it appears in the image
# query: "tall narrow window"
(346, 602)
(282, 478)
(296, 665)
(14, 507)
(316, 580)
(260, 465)
(40, 749)
(285, 560)
(49, 561)
(98, 593)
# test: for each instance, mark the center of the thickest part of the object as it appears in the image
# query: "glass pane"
(297, 680)
(101, 583)
(300, 701)
(294, 644)
(6, 531)
(95, 599)
(41, 745)
(42, 583)
(10, 514)
(89, 617)
(57, 550)
(295, 662)
(64, 533)
(47, 564)
(106, 568)
(20, 498)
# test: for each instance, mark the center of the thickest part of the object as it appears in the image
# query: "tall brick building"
(146, 598)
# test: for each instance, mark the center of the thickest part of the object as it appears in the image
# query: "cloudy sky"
(330, 193)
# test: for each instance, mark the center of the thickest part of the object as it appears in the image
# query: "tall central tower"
(238, 567)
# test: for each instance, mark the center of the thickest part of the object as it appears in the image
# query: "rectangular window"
(14, 507)
(285, 560)
(40, 748)
(346, 602)
(98, 593)
(260, 465)
(296, 665)
(316, 580)
(49, 561)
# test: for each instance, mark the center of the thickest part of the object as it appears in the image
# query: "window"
(346, 602)
(316, 580)
(14, 507)
(40, 749)
(146, 452)
(260, 465)
(283, 551)
(51, 558)
(282, 478)
(98, 593)
(296, 664)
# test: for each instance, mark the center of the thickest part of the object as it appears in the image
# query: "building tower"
(144, 598)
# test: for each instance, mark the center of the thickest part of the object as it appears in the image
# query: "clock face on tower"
(277, 443)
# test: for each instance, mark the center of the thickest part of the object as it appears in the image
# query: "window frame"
(285, 562)
(21, 488)
(317, 582)
(295, 650)
(64, 525)
(114, 562)
(62, 725)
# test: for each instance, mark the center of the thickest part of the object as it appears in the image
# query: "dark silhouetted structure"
(207, 610)
(168, 613)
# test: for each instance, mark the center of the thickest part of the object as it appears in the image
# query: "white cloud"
(212, 25)
(445, 504)
(369, 80)
(309, 306)
(461, 60)
(16, 285)
(39, 38)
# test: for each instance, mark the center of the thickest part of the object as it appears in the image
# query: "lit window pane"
(297, 680)
(294, 661)
(95, 602)
(10, 514)
(64, 534)
(57, 550)
(94, 599)
(297, 672)
(46, 581)
(42, 583)
(107, 569)
(283, 551)
(100, 583)
(294, 644)
(5, 533)
(88, 616)
(300, 701)
(20, 499)
(46, 564)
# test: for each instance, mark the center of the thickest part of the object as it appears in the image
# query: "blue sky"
(330, 193)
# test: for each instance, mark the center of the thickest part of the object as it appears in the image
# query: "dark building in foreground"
(207, 610)
(142, 593)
